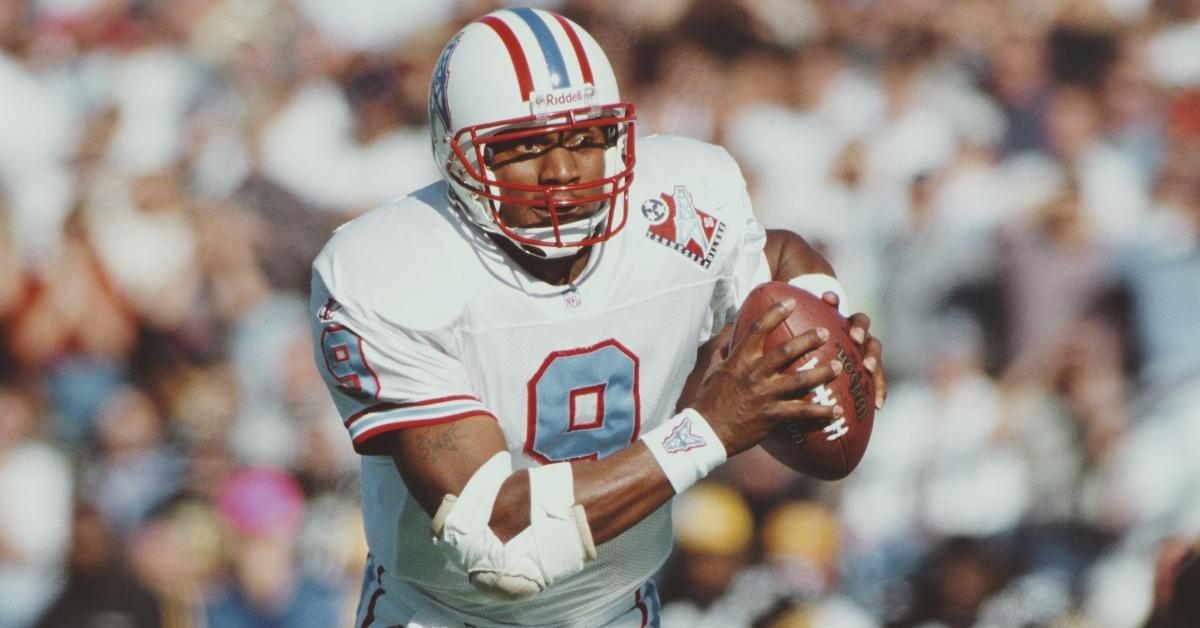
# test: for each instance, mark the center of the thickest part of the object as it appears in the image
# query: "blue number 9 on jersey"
(345, 361)
(583, 404)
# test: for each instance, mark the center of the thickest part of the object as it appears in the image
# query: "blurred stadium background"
(1011, 188)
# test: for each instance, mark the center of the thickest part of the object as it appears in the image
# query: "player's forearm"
(621, 490)
(616, 492)
(789, 255)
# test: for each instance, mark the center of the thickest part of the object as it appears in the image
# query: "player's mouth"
(565, 213)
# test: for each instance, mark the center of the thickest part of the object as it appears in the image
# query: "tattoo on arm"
(440, 440)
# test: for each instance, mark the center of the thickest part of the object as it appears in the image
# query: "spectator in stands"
(263, 510)
(99, 586)
(36, 487)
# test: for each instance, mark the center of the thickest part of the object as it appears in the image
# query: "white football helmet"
(517, 73)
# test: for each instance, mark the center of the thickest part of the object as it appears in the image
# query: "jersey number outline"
(584, 404)
(345, 361)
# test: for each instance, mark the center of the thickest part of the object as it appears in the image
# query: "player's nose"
(558, 167)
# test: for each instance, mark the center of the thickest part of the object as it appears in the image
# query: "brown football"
(828, 451)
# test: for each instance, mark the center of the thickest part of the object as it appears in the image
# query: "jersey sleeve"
(382, 376)
(750, 266)
(746, 264)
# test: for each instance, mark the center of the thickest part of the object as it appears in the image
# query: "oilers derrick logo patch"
(682, 438)
(677, 223)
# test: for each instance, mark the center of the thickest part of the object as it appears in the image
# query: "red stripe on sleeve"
(360, 443)
(381, 407)
(520, 63)
(584, 66)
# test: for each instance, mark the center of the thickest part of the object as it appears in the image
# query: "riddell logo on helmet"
(561, 99)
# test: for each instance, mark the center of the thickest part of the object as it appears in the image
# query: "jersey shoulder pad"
(707, 171)
(402, 262)
(692, 160)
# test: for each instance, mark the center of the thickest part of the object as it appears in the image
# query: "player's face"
(561, 158)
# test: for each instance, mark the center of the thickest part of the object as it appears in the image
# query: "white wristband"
(819, 284)
(686, 447)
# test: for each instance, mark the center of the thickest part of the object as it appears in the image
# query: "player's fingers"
(831, 298)
(784, 353)
(873, 362)
(812, 416)
(860, 324)
(801, 381)
(752, 342)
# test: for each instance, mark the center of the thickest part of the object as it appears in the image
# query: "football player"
(507, 346)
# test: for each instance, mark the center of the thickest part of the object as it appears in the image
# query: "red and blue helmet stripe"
(552, 53)
(585, 67)
(555, 64)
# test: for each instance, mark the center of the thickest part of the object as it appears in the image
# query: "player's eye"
(585, 138)
(577, 140)
(521, 148)
(529, 146)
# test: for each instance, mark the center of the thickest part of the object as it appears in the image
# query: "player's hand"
(747, 392)
(869, 346)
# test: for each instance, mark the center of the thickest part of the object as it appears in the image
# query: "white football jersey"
(419, 318)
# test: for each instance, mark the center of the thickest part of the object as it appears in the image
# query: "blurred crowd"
(1010, 188)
